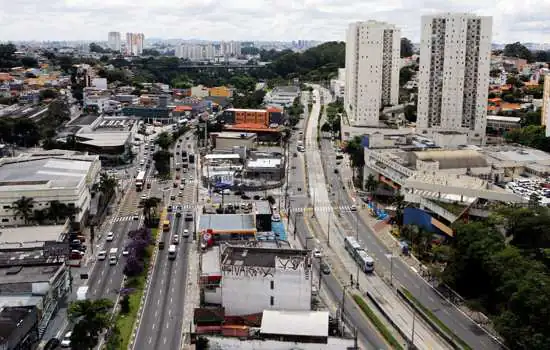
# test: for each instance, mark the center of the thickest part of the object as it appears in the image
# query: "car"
(178, 214)
(66, 342)
(245, 197)
(172, 197)
(178, 146)
(102, 255)
(135, 217)
(238, 193)
(185, 233)
(295, 154)
(143, 197)
(353, 208)
(52, 344)
(177, 153)
(110, 236)
(325, 268)
(177, 176)
(317, 253)
(180, 194)
(161, 245)
(190, 178)
(175, 185)
(169, 208)
(256, 197)
(275, 218)
(175, 239)
(125, 251)
(182, 186)
(336, 171)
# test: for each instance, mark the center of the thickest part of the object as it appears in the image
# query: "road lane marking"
(154, 326)
(158, 302)
(170, 300)
(165, 337)
(150, 340)
(156, 313)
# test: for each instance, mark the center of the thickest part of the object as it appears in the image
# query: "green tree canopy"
(518, 50)
(91, 317)
(407, 48)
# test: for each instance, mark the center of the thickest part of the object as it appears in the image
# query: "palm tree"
(91, 317)
(371, 184)
(399, 202)
(149, 205)
(40, 216)
(23, 207)
(57, 210)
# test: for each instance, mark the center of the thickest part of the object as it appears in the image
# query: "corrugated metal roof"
(312, 323)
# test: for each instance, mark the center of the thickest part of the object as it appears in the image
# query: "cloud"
(325, 20)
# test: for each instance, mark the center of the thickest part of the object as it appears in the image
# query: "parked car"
(325, 268)
(110, 236)
(66, 342)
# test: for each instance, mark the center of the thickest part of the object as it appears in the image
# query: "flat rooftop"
(235, 135)
(222, 156)
(230, 343)
(11, 318)
(11, 235)
(28, 274)
(274, 163)
(517, 154)
(312, 323)
(262, 257)
(211, 261)
(104, 138)
(227, 222)
(42, 173)
(84, 119)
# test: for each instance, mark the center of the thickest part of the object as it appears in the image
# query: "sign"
(56, 249)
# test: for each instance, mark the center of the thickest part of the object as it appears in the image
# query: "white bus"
(172, 252)
(140, 180)
(365, 262)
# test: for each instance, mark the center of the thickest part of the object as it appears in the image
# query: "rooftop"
(250, 110)
(312, 323)
(222, 156)
(264, 163)
(286, 89)
(10, 319)
(43, 172)
(226, 343)
(28, 274)
(84, 119)
(262, 207)
(234, 135)
(227, 222)
(517, 154)
(263, 257)
(102, 138)
(30, 234)
(211, 261)
(453, 159)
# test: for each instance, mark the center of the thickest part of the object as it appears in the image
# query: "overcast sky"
(513, 20)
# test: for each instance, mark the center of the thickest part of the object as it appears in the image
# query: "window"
(272, 301)
(272, 284)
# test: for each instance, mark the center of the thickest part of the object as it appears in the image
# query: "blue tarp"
(279, 229)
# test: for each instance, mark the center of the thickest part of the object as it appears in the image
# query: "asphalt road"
(161, 322)
(447, 313)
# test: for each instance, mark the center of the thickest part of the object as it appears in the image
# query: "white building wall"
(114, 41)
(455, 58)
(372, 70)
(247, 289)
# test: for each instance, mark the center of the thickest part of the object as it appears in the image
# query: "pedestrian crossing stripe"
(127, 218)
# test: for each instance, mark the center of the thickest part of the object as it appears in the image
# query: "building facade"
(134, 43)
(114, 41)
(545, 113)
(372, 70)
(455, 60)
(258, 279)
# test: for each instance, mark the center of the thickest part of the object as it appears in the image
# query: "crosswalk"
(323, 209)
(128, 218)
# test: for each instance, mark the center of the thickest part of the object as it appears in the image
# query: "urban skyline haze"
(266, 20)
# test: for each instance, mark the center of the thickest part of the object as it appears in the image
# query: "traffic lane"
(173, 321)
(365, 331)
(401, 272)
(151, 322)
(101, 271)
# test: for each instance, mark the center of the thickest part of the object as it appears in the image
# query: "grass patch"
(435, 320)
(453, 207)
(124, 323)
(388, 336)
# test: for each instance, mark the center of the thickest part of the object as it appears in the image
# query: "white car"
(353, 208)
(186, 233)
(143, 197)
(317, 253)
(66, 342)
(110, 236)
(275, 218)
(125, 252)
(102, 255)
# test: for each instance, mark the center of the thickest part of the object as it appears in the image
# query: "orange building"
(220, 91)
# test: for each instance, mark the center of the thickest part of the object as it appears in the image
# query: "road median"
(431, 319)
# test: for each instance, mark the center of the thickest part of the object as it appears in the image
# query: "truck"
(113, 256)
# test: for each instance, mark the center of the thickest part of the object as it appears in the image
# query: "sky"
(266, 20)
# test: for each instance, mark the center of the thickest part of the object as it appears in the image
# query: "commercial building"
(114, 42)
(229, 140)
(134, 43)
(220, 91)
(45, 177)
(253, 279)
(260, 118)
(453, 84)
(372, 70)
(282, 96)
(18, 327)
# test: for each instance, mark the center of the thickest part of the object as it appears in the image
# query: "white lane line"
(154, 325)
(158, 302)
(150, 340)
(165, 338)
(171, 302)
(156, 313)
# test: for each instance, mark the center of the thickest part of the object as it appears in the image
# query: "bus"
(140, 180)
(172, 252)
(365, 262)
(166, 225)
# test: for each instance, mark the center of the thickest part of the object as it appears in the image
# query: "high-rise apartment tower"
(134, 43)
(114, 41)
(372, 70)
(455, 59)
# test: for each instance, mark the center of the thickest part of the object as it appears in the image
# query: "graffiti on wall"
(290, 262)
(248, 271)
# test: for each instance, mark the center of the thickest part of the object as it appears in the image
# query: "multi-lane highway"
(160, 326)
(366, 333)
(403, 274)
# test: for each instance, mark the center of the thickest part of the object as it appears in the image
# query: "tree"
(96, 48)
(107, 185)
(39, 216)
(164, 140)
(399, 202)
(48, 94)
(410, 113)
(23, 207)
(407, 48)
(371, 184)
(149, 208)
(356, 152)
(162, 162)
(29, 62)
(7, 56)
(134, 266)
(125, 304)
(57, 210)
(91, 318)
(518, 50)
(405, 75)
(150, 52)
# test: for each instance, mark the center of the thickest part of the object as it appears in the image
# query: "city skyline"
(323, 20)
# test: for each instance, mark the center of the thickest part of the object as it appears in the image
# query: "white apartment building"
(45, 177)
(256, 279)
(455, 60)
(372, 70)
(134, 43)
(230, 48)
(338, 85)
(114, 41)
(545, 113)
